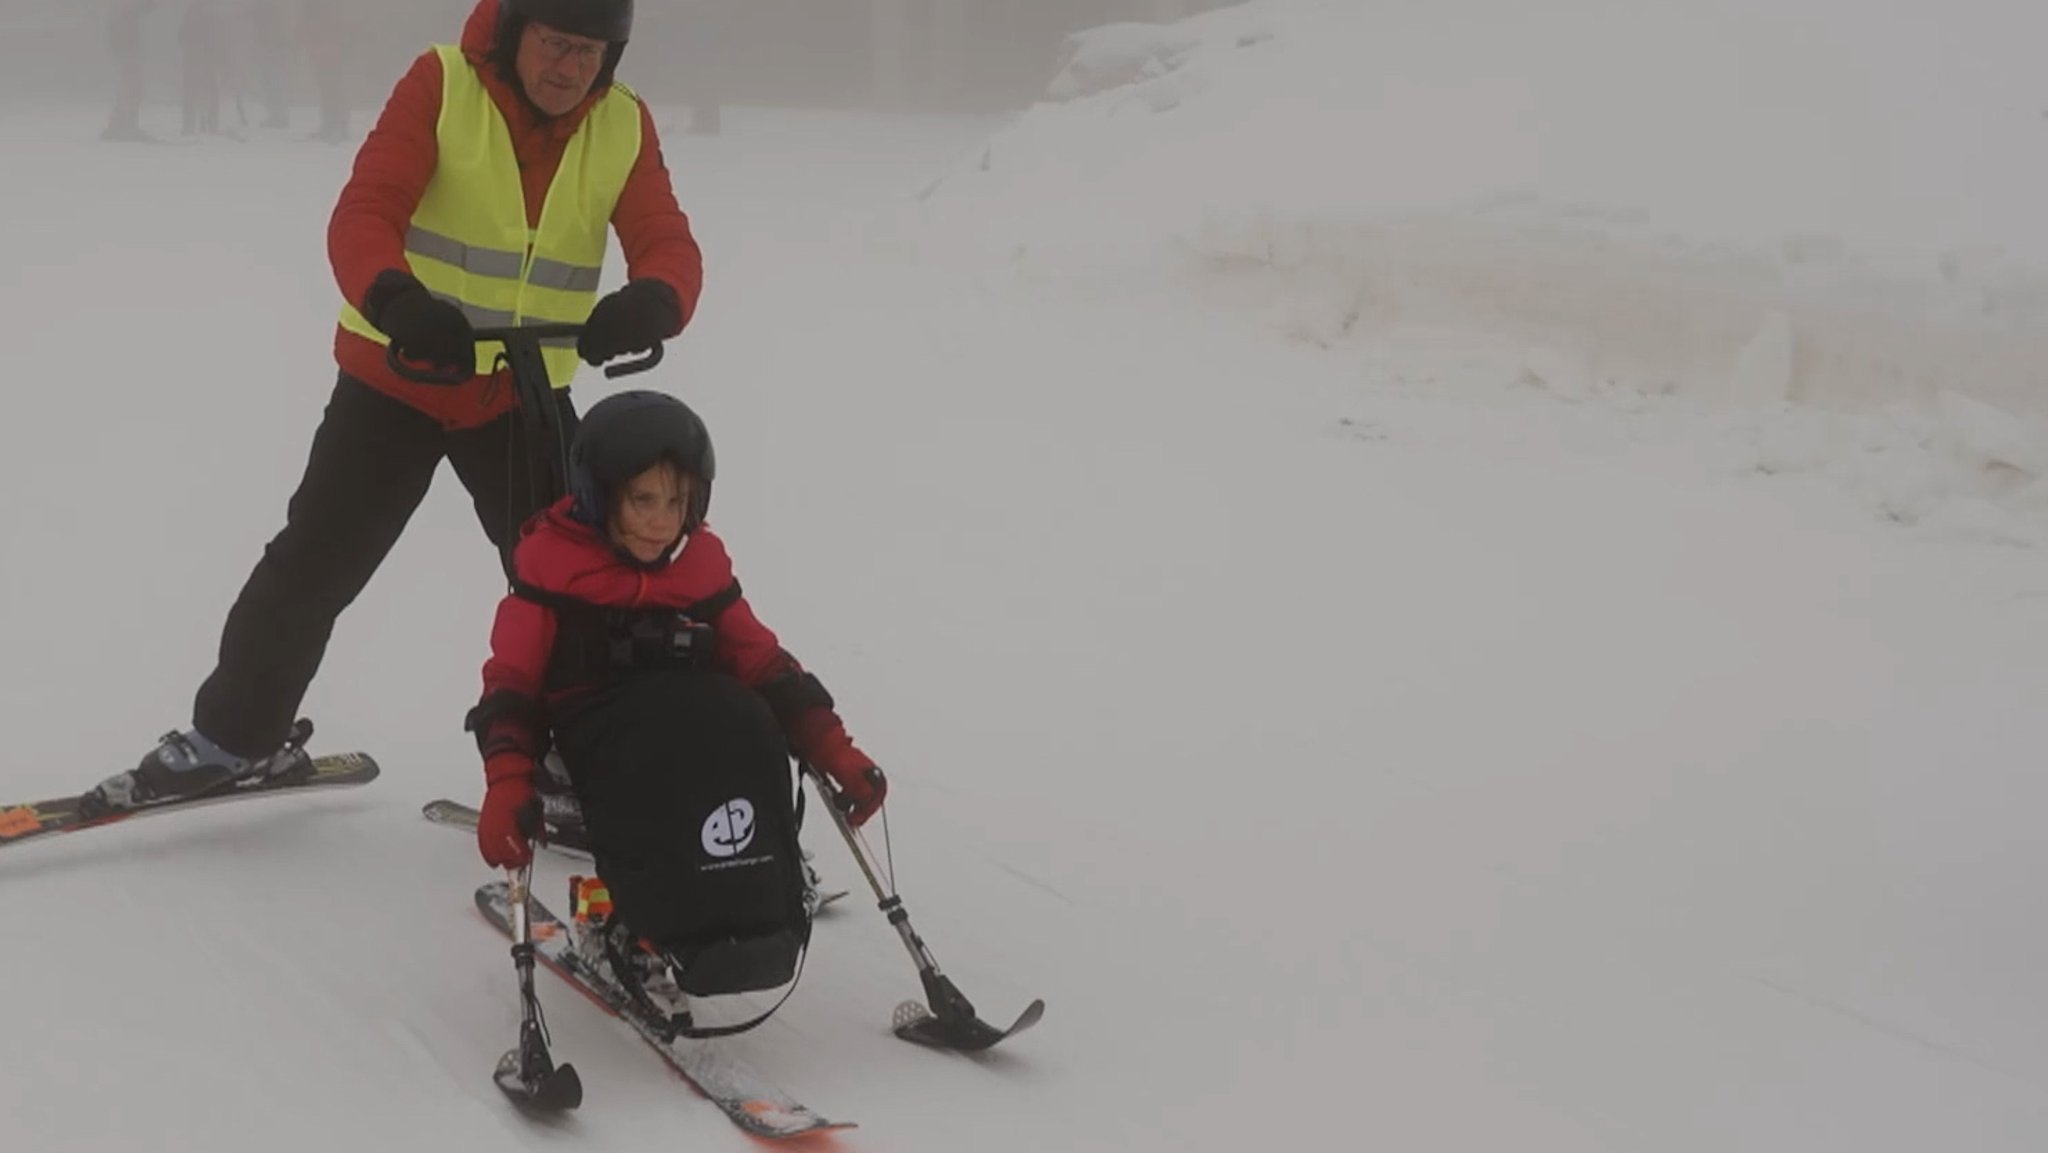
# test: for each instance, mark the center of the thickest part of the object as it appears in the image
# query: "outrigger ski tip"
(960, 1029)
(527, 1074)
(951, 1022)
(535, 1083)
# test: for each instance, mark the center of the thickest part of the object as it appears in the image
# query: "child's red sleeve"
(802, 706)
(749, 649)
(509, 717)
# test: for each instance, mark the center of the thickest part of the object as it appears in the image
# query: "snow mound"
(1131, 53)
(1826, 210)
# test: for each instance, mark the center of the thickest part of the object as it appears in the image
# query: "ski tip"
(354, 764)
(778, 1122)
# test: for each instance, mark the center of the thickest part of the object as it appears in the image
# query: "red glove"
(819, 737)
(511, 811)
(861, 794)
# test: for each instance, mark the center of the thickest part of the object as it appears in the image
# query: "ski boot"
(648, 977)
(814, 897)
(640, 970)
(186, 766)
(590, 909)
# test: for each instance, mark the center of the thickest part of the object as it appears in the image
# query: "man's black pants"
(371, 464)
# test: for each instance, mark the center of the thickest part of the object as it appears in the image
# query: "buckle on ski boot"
(590, 899)
(155, 782)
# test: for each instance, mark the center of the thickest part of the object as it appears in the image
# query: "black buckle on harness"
(643, 641)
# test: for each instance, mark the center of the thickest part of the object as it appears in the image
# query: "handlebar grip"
(629, 367)
(457, 374)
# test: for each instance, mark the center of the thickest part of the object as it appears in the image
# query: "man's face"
(557, 69)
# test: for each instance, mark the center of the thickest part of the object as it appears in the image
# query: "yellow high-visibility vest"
(468, 240)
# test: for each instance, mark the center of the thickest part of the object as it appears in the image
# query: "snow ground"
(1758, 210)
(1355, 741)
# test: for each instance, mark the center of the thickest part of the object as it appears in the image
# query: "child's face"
(649, 516)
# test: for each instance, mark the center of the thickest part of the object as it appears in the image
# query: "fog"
(1621, 427)
(905, 55)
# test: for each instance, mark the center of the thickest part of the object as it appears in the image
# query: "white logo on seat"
(730, 828)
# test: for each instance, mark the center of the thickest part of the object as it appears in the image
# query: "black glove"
(633, 319)
(422, 327)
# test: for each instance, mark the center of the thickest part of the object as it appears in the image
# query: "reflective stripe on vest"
(468, 240)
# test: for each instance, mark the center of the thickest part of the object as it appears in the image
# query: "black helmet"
(598, 19)
(625, 434)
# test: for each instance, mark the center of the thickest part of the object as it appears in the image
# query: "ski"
(567, 842)
(749, 1100)
(22, 823)
(456, 815)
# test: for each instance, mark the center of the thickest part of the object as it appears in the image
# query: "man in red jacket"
(485, 195)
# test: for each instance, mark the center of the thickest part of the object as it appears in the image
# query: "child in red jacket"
(627, 645)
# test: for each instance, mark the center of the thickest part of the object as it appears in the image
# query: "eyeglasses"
(561, 46)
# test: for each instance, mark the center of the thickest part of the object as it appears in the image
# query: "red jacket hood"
(481, 32)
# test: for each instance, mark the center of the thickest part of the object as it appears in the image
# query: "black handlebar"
(520, 341)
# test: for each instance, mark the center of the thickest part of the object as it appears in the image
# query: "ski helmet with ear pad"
(627, 433)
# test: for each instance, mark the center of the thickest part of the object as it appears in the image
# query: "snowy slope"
(1356, 747)
(1738, 207)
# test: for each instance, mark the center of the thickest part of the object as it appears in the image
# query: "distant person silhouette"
(124, 40)
(271, 56)
(202, 36)
(325, 30)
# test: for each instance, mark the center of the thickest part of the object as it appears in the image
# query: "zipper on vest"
(525, 273)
